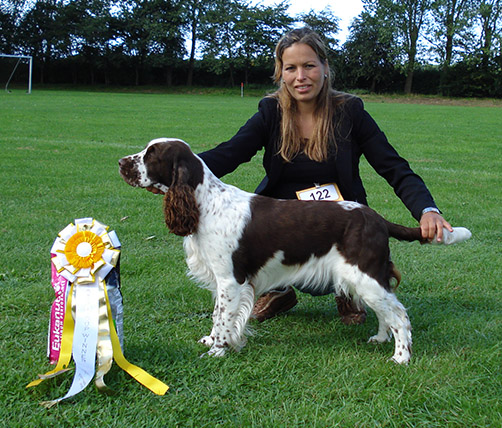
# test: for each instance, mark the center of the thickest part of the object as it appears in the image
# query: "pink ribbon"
(59, 284)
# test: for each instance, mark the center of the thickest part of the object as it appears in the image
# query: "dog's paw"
(402, 359)
(216, 351)
(207, 340)
(380, 338)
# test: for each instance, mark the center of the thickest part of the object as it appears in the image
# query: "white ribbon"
(85, 338)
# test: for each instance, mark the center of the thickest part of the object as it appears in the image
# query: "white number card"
(323, 192)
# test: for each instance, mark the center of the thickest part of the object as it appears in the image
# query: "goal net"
(11, 69)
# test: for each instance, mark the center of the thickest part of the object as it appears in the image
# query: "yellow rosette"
(84, 254)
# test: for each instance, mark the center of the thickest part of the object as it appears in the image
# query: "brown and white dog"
(241, 245)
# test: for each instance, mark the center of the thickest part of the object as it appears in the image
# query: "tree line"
(450, 47)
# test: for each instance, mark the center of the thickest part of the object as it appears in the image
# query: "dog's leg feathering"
(233, 306)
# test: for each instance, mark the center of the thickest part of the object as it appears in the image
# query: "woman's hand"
(432, 224)
(154, 190)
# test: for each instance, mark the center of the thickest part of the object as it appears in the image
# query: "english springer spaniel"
(241, 245)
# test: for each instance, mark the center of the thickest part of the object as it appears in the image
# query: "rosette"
(85, 251)
(83, 256)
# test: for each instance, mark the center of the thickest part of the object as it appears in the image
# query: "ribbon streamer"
(85, 253)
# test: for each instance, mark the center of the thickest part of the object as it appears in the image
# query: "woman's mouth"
(303, 88)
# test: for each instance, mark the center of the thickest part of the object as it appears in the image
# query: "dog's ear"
(180, 210)
(181, 173)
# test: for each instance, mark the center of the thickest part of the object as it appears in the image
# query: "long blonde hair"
(292, 143)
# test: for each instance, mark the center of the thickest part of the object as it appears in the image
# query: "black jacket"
(357, 134)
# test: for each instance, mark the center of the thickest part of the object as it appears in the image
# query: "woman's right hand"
(154, 190)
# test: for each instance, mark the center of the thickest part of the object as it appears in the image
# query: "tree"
(490, 17)
(236, 35)
(325, 23)
(166, 32)
(11, 13)
(411, 15)
(44, 34)
(262, 27)
(451, 18)
(150, 27)
(370, 51)
(408, 18)
(194, 18)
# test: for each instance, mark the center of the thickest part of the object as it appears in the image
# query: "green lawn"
(59, 153)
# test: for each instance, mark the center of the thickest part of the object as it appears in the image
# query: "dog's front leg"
(233, 306)
(209, 340)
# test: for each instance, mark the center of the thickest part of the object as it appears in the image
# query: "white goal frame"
(30, 69)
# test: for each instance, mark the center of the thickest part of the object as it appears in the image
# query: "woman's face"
(303, 72)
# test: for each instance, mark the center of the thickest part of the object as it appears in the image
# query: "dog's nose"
(121, 162)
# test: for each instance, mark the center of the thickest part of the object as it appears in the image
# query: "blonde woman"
(313, 138)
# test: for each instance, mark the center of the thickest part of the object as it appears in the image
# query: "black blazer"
(357, 134)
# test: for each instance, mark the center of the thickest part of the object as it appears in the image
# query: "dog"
(241, 245)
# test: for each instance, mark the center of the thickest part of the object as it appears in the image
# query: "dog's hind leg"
(392, 317)
(384, 333)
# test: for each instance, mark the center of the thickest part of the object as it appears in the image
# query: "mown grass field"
(59, 153)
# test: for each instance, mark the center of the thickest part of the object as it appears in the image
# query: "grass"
(304, 369)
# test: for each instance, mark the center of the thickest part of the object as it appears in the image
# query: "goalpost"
(20, 58)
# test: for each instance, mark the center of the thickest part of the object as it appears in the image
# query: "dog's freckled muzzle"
(129, 171)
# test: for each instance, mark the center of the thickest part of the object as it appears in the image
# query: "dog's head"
(162, 163)
(169, 165)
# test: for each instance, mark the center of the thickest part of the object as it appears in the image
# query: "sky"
(346, 10)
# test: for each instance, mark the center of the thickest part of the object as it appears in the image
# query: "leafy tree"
(7, 29)
(407, 18)
(150, 27)
(262, 27)
(167, 48)
(325, 23)
(236, 35)
(194, 17)
(410, 17)
(44, 34)
(370, 51)
(490, 18)
(451, 20)
(89, 22)
(9, 13)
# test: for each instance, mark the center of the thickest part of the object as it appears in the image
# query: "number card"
(324, 192)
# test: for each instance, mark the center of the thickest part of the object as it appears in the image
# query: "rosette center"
(84, 249)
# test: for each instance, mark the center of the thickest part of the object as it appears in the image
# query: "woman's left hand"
(432, 224)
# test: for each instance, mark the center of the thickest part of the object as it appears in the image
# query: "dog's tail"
(404, 233)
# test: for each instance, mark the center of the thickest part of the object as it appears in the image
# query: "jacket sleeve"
(373, 144)
(251, 138)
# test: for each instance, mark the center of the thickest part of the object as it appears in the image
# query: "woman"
(314, 136)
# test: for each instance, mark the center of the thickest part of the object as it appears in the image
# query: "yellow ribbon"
(104, 347)
(66, 346)
(153, 384)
